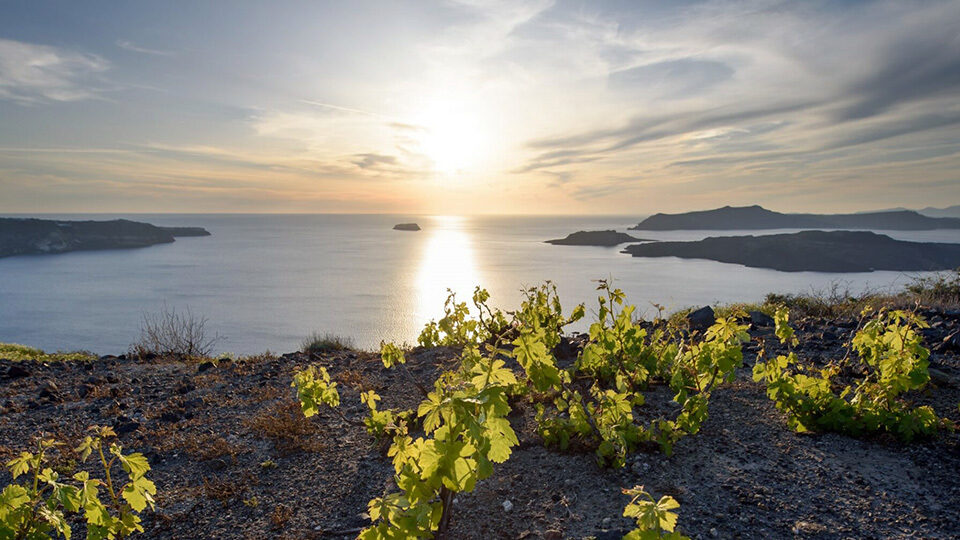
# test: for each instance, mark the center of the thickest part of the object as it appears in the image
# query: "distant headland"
(757, 218)
(406, 227)
(814, 251)
(595, 238)
(30, 236)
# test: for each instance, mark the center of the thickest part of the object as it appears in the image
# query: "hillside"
(29, 236)
(756, 217)
(233, 457)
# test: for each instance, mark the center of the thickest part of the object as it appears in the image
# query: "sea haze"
(265, 281)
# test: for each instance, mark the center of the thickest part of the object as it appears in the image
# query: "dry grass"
(356, 380)
(199, 446)
(223, 490)
(283, 424)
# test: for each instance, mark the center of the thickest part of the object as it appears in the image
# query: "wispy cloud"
(31, 73)
(131, 46)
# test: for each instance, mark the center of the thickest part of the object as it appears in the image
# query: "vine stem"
(446, 499)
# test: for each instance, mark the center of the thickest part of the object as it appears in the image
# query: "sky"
(477, 106)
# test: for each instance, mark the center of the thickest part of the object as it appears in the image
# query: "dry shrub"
(280, 516)
(172, 333)
(283, 423)
(317, 343)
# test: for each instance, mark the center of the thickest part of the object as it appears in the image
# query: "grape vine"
(37, 507)
(890, 361)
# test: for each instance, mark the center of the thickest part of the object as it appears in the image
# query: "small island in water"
(756, 217)
(813, 251)
(406, 227)
(608, 238)
(30, 236)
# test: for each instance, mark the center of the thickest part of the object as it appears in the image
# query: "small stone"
(714, 533)
(605, 522)
(204, 366)
(507, 505)
(552, 534)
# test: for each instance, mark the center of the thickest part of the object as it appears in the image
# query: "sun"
(454, 139)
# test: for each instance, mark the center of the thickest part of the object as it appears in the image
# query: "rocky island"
(406, 227)
(29, 236)
(608, 238)
(812, 251)
(756, 218)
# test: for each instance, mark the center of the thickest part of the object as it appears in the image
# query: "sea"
(264, 282)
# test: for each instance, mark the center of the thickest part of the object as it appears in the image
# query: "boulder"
(760, 319)
(701, 319)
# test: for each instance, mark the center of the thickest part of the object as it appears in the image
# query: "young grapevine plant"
(892, 361)
(37, 506)
(654, 518)
(460, 429)
(621, 360)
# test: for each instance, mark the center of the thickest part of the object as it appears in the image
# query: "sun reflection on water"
(447, 262)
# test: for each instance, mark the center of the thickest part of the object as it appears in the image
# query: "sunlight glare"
(454, 139)
(447, 263)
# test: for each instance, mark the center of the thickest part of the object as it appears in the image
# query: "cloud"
(672, 79)
(131, 46)
(31, 73)
(373, 161)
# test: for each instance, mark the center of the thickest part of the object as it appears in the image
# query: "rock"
(552, 534)
(49, 390)
(406, 227)
(701, 319)
(127, 427)
(204, 366)
(17, 371)
(84, 389)
(169, 416)
(759, 318)
(507, 505)
(193, 403)
(942, 378)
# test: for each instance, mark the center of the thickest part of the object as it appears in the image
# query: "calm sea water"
(266, 281)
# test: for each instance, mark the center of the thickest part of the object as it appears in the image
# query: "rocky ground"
(233, 457)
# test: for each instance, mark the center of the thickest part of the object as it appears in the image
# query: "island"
(406, 227)
(30, 236)
(608, 238)
(756, 218)
(812, 251)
